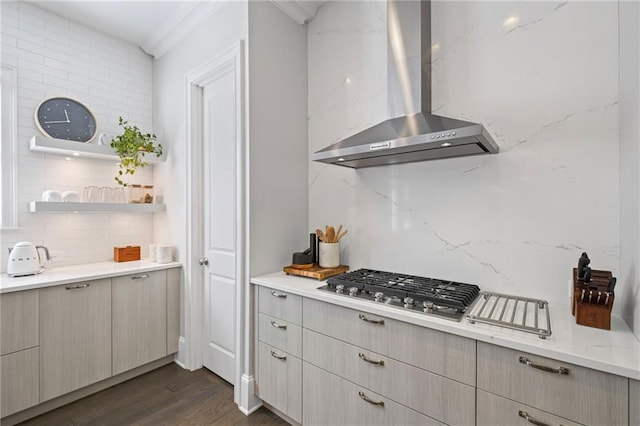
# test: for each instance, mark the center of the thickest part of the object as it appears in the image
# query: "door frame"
(231, 59)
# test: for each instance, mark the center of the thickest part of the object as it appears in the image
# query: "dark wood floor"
(167, 396)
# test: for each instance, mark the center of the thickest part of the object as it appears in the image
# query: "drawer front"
(582, 395)
(19, 321)
(494, 410)
(280, 304)
(331, 400)
(280, 380)
(441, 353)
(443, 399)
(280, 334)
(20, 381)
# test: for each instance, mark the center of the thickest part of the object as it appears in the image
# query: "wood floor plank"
(168, 395)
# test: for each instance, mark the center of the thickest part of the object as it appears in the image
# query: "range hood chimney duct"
(416, 137)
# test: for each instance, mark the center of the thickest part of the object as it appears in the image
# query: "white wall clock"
(65, 118)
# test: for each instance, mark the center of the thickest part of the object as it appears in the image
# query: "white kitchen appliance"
(24, 259)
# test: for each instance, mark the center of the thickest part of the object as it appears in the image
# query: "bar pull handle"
(140, 277)
(280, 357)
(532, 420)
(281, 326)
(77, 286)
(369, 360)
(364, 318)
(369, 400)
(560, 370)
(276, 294)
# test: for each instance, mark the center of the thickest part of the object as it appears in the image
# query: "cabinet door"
(173, 310)
(75, 336)
(634, 406)
(18, 321)
(19, 389)
(280, 380)
(139, 319)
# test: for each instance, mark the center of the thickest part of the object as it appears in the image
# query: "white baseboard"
(249, 402)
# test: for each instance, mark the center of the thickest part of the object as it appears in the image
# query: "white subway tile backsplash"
(57, 57)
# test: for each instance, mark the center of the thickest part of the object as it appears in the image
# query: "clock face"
(64, 118)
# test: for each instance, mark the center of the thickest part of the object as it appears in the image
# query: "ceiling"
(156, 25)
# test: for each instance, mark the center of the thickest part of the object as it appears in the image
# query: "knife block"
(592, 314)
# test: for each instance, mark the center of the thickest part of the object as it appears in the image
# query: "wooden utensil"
(330, 233)
(321, 235)
(340, 235)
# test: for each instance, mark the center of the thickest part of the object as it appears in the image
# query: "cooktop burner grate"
(433, 296)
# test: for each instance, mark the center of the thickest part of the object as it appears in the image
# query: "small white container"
(329, 256)
(153, 252)
(164, 254)
(71, 197)
(52, 195)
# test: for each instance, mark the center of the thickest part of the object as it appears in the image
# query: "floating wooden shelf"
(81, 149)
(52, 207)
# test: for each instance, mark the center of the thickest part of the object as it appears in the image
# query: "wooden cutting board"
(316, 271)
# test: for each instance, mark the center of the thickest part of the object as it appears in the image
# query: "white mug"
(52, 195)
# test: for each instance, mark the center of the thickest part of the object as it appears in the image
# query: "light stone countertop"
(53, 276)
(615, 351)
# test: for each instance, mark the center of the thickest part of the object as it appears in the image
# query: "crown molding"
(184, 21)
(300, 11)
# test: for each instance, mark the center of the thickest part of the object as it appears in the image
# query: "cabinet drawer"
(443, 399)
(331, 400)
(494, 410)
(280, 380)
(582, 395)
(20, 381)
(441, 353)
(280, 334)
(280, 304)
(18, 321)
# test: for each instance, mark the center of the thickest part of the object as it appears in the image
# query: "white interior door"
(220, 239)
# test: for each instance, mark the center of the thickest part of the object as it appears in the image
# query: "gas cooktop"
(431, 296)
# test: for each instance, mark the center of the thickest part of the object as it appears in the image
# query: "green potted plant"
(132, 145)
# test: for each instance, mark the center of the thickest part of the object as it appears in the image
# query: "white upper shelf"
(81, 149)
(60, 207)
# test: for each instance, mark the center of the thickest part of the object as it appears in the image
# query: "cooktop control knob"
(379, 296)
(429, 306)
(353, 291)
(340, 289)
(408, 302)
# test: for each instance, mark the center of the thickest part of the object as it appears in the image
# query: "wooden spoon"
(338, 233)
(321, 235)
(341, 235)
(330, 233)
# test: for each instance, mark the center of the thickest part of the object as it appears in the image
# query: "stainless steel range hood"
(415, 137)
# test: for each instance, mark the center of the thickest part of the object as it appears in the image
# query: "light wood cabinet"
(280, 304)
(441, 353)
(75, 336)
(576, 393)
(173, 310)
(18, 321)
(494, 410)
(331, 400)
(279, 367)
(436, 396)
(280, 334)
(139, 319)
(634, 402)
(19, 376)
(280, 378)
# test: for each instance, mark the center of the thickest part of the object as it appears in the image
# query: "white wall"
(54, 57)
(629, 295)
(515, 222)
(277, 138)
